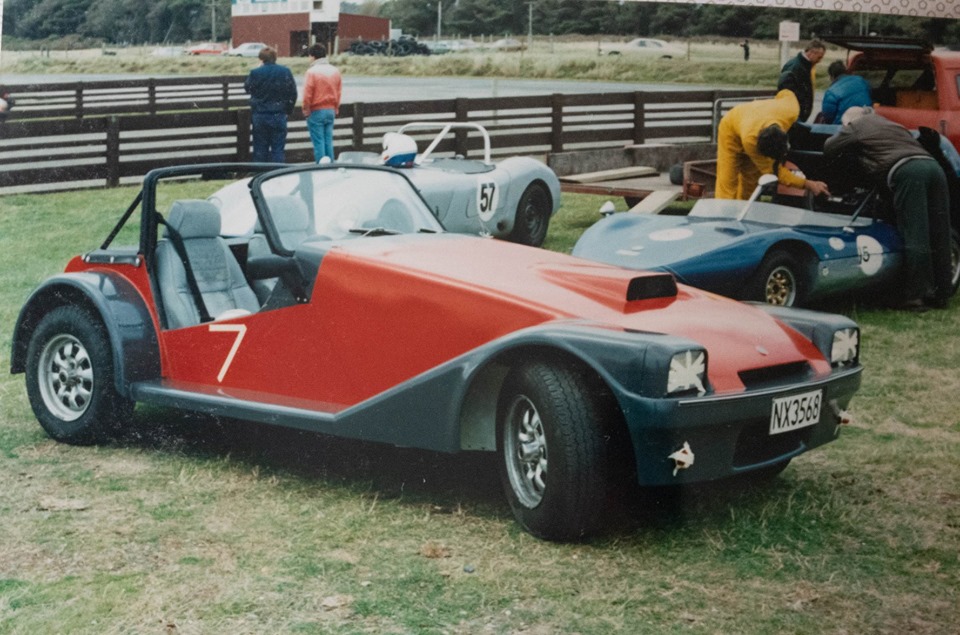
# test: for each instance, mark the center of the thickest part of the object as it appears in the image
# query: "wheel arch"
(111, 299)
(805, 254)
(478, 410)
(801, 250)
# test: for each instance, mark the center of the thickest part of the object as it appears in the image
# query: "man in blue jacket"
(273, 93)
(846, 91)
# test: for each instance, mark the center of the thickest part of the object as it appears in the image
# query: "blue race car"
(790, 251)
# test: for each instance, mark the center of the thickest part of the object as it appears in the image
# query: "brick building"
(292, 25)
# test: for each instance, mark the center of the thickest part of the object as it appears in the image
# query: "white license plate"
(795, 411)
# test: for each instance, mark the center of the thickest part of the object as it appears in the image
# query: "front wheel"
(70, 378)
(533, 216)
(553, 446)
(780, 280)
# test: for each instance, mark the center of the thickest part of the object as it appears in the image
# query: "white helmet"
(399, 150)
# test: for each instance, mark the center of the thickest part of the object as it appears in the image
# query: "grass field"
(708, 62)
(191, 524)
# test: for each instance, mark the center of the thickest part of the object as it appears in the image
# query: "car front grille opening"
(775, 375)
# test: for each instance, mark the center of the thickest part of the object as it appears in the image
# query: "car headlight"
(688, 370)
(845, 350)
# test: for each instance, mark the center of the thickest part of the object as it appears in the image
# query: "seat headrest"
(289, 213)
(194, 219)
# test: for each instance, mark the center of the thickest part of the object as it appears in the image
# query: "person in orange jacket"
(752, 140)
(321, 101)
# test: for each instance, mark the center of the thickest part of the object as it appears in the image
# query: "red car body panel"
(331, 355)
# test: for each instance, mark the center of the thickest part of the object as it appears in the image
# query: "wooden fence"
(105, 133)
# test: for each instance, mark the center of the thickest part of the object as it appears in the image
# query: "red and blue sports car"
(350, 312)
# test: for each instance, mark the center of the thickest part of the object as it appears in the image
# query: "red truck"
(912, 83)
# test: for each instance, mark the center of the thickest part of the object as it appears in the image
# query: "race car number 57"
(488, 197)
(795, 411)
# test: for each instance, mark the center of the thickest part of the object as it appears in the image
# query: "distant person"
(321, 101)
(273, 94)
(888, 156)
(846, 91)
(751, 141)
(745, 45)
(798, 75)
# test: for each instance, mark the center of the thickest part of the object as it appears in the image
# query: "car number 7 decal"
(240, 330)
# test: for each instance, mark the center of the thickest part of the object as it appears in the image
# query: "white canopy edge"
(914, 8)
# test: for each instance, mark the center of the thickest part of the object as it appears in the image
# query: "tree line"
(158, 21)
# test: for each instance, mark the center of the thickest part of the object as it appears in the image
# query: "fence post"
(639, 118)
(556, 122)
(113, 151)
(243, 135)
(152, 95)
(78, 100)
(461, 112)
(715, 117)
(358, 126)
(225, 92)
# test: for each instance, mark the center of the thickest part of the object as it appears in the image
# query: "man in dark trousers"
(273, 93)
(888, 156)
(797, 75)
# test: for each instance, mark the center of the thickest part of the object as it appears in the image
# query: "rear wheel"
(70, 378)
(533, 216)
(780, 280)
(554, 455)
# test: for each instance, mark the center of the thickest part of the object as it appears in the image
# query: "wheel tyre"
(555, 458)
(533, 216)
(676, 174)
(70, 378)
(780, 280)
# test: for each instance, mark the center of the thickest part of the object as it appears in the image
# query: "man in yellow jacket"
(751, 140)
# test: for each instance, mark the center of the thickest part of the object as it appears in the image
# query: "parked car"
(206, 48)
(791, 251)
(513, 198)
(249, 49)
(373, 323)
(647, 47)
(450, 46)
(506, 45)
(911, 82)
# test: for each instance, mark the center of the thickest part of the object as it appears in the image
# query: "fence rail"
(104, 133)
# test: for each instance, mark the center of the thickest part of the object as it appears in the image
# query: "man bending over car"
(889, 157)
(751, 141)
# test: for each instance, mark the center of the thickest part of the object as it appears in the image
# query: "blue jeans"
(320, 125)
(269, 137)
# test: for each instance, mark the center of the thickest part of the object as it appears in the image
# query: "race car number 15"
(795, 411)
(488, 195)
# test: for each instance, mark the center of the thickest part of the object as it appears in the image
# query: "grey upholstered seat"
(292, 221)
(219, 277)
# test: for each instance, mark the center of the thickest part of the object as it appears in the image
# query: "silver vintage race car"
(511, 199)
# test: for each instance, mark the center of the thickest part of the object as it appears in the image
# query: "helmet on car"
(399, 150)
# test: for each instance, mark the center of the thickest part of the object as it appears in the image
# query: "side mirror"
(766, 180)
